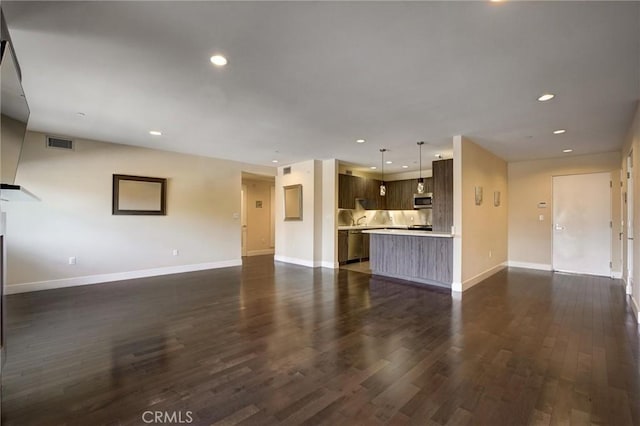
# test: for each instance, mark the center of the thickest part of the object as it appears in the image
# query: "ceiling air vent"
(53, 142)
(286, 170)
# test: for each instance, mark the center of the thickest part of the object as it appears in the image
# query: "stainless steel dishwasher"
(355, 245)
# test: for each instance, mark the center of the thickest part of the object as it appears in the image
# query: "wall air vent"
(286, 170)
(60, 143)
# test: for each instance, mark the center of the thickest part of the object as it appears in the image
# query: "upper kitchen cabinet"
(400, 193)
(442, 195)
(352, 187)
(347, 190)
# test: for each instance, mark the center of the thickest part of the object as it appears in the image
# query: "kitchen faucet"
(360, 218)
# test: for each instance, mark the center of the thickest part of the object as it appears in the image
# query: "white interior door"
(582, 224)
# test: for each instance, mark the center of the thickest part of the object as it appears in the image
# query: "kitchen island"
(420, 256)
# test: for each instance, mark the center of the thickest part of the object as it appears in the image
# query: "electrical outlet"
(541, 217)
(72, 260)
(176, 252)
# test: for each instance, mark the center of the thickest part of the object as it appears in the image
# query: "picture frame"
(139, 196)
(292, 202)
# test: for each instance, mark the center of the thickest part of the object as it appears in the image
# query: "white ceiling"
(305, 80)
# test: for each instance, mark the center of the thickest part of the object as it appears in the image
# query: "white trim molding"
(616, 275)
(530, 265)
(634, 308)
(296, 261)
(467, 284)
(117, 276)
(330, 265)
(260, 252)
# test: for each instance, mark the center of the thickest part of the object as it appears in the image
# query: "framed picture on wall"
(139, 196)
(293, 202)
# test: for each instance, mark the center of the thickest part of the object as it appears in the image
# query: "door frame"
(553, 221)
(243, 220)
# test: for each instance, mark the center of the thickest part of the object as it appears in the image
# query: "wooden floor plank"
(270, 343)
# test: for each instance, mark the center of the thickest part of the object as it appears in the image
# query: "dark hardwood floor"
(282, 344)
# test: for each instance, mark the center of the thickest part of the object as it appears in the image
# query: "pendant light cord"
(420, 145)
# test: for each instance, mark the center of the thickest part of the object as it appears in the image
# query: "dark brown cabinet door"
(371, 193)
(343, 247)
(442, 195)
(410, 187)
(365, 246)
(394, 195)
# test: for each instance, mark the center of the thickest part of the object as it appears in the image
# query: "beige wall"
(74, 217)
(632, 146)
(12, 136)
(258, 218)
(329, 213)
(311, 241)
(295, 239)
(483, 228)
(530, 182)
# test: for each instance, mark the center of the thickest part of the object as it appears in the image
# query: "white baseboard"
(616, 275)
(330, 265)
(259, 252)
(530, 265)
(467, 284)
(634, 307)
(117, 276)
(296, 261)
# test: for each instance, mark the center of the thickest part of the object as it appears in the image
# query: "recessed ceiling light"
(373, 167)
(218, 60)
(274, 161)
(546, 97)
(155, 133)
(405, 167)
(388, 162)
(360, 141)
(566, 151)
(559, 131)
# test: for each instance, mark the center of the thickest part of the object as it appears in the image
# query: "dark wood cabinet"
(393, 198)
(347, 188)
(365, 246)
(442, 195)
(343, 247)
(400, 193)
(352, 187)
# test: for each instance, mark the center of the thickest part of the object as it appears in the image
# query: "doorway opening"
(629, 209)
(258, 214)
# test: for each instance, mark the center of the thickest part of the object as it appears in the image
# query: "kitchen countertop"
(410, 232)
(364, 227)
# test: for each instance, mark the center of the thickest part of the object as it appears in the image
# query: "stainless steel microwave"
(423, 201)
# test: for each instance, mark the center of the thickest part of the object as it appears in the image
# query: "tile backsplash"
(348, 217)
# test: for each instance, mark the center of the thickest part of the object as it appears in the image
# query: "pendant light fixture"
(383, 187)
(420, 179)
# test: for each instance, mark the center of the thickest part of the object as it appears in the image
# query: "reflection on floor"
(271, 344)
(358, 267)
